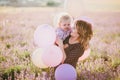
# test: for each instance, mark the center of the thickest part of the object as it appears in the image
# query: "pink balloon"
(85, 55)
(36, 58)
(53, 56)
(44, 35)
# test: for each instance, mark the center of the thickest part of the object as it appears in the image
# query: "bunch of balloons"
(47, 54)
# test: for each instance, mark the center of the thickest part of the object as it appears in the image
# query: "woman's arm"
(85, 54)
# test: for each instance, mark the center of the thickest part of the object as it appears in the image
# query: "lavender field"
(17, 26)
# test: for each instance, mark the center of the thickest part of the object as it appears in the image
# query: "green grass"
(23, 55)
(33, 68)
(99, 68)
(22, 44)
(115, 61)
(95, 55)
(11, 70)
(2, 58)
(8, 46)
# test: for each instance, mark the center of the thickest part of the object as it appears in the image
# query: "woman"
(76, 43)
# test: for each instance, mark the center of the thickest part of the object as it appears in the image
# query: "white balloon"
(44, 35)
(36, 58)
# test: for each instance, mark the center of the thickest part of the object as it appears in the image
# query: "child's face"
(65, 25)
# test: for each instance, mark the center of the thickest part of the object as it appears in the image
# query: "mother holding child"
(73, 41)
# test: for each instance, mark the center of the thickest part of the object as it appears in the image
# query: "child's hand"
(59, 42)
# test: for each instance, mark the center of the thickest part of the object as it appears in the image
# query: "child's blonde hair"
(60, 17)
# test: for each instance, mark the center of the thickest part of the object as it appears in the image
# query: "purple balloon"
(65, 72)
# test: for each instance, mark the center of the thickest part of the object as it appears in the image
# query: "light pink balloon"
(44, 35)
(36, 58)
(53, 56)
(85, 55)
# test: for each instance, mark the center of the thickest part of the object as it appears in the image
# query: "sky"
(95, 5)
(102, 4)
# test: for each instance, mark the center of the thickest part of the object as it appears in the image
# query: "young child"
(63, 26)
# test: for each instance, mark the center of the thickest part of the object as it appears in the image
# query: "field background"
(17, 25)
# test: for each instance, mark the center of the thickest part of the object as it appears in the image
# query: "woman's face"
(74, 32)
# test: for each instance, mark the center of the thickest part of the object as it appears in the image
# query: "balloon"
(53, 56)
(37, 59)
(85, 55)
(65, 72)
(44, 35)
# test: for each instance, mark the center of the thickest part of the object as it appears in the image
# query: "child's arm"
(59, 34)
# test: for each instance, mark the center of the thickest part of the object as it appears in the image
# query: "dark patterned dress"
(73, 52)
